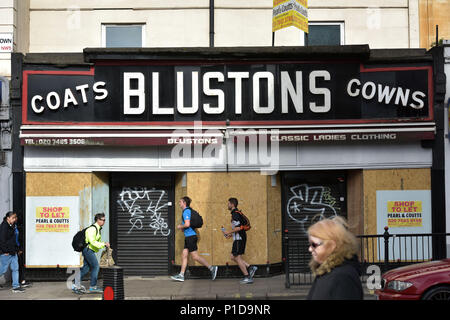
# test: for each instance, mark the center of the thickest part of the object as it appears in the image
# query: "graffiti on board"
(308, 204)
(142, 203)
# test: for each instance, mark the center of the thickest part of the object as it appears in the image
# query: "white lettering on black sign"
(235, 92)
(288, 90)
(385, 94)
(71, 97)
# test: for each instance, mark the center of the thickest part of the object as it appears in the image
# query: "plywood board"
(355, 196)
(210, 193)
(393, 179)
(57, 185)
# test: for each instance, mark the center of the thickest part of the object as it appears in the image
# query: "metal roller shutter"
(307, 199)
(142, 230)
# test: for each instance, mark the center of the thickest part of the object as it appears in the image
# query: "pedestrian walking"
(190, 242)
(94, 244)
(20, 258)
(239, 235)
(9, 251)
(334, 261)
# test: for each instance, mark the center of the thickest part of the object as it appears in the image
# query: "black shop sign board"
(236, 93)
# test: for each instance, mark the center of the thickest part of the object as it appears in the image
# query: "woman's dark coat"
(7, 239)
(337, 280)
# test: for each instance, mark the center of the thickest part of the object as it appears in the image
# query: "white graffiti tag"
(139, 203)
(158, 223)
(307, 204)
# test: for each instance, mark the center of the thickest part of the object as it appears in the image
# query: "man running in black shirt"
(240, 240)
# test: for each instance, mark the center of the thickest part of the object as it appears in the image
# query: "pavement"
(163, 288)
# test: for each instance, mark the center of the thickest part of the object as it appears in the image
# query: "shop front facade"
(295, 134)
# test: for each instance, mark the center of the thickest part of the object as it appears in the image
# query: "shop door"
(307, 198)
(143, 229)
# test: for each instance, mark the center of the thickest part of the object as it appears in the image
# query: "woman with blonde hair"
(334, 261)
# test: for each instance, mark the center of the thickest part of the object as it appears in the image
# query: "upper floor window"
(325, 34)
(123, 35)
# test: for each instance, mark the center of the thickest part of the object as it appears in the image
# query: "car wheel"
(438, 293)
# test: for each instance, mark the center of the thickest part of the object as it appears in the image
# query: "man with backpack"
(239, 225)
(93, 245)
(190, 239)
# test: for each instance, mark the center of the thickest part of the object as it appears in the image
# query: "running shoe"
(252, 271)
(178, 277)
(246, 280)
(214, 272)
(95, 290)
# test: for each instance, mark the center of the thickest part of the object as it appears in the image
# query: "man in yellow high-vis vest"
(94, 244)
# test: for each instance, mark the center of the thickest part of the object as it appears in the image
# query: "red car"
(426, 281)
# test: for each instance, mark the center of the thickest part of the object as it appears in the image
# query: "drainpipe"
(438, 153)
(211, 23)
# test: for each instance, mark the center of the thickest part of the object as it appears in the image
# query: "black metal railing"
(387, 251)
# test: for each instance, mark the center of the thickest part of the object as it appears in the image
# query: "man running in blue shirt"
(190, 242)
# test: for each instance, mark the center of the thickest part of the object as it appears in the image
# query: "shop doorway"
(142, 211)
(308, 197)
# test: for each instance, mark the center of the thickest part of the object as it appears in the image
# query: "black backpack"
(79, 239)
(196, 219)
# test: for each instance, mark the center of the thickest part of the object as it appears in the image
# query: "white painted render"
(7, 25)
(69, 26)
(164, 158)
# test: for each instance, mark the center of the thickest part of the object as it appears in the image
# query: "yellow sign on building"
(404, 214)
(52, 219)
(288, 13)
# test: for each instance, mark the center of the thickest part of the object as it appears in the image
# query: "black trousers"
(21, 267)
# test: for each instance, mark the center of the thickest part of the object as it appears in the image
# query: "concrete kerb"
(243, 297)
(161, 289)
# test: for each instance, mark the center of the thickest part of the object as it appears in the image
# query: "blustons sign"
(237, 93)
